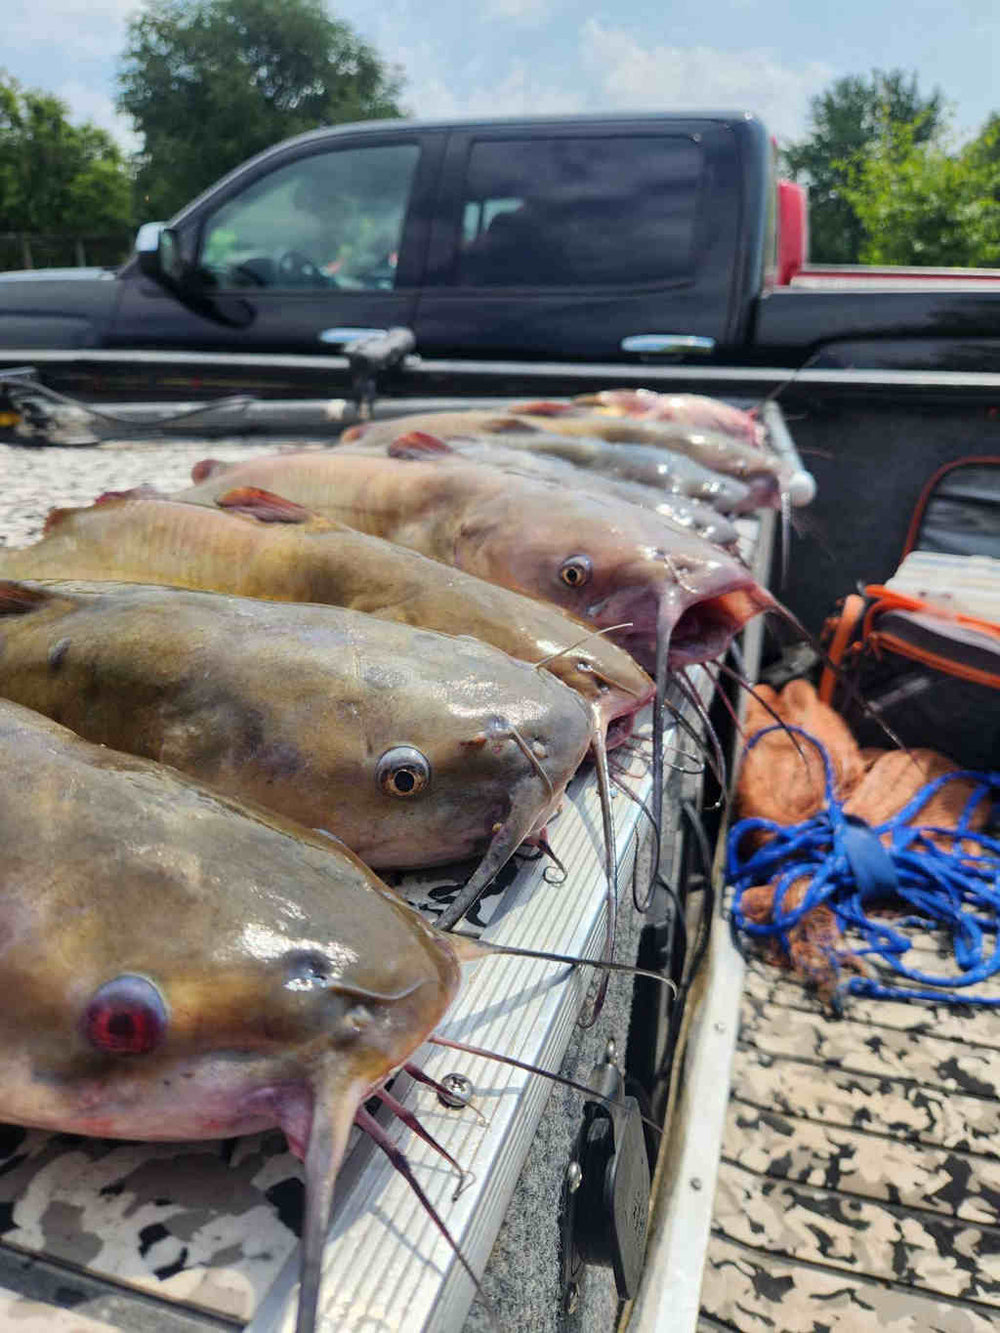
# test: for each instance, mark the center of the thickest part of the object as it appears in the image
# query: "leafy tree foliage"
(56, 177)
(920, 203)
(847, 122)
(210, 82)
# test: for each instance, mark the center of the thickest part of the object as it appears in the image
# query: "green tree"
(56, 177)
(846, 122)
(210, 82)
(921, 203)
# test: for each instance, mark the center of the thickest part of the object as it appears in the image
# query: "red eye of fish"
(126, 1016)
(575, 571)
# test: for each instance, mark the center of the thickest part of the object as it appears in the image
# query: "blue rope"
(849, 867)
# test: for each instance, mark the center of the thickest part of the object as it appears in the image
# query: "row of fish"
(201, 943)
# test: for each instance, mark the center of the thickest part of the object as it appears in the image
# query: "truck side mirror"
(159, 255)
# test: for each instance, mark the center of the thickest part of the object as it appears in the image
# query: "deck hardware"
(695, 1182)
(460, 1089)
(606, 1198)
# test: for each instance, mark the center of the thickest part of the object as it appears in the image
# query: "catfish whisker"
(415, 1072)
(370, 1126)
(779, 609)
(691, 694)
(745, 684)
(403, 1113)
(435, 1040)
(531, 757)
(594, 634)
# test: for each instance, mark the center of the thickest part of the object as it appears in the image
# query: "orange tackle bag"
(921, 653)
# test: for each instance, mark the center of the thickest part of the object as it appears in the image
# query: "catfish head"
(619, 566)
(189, 968)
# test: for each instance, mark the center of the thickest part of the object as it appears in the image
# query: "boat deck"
(859, 1180)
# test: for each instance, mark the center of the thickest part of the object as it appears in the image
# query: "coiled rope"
(953, 887)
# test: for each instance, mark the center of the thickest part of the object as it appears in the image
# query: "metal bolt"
(574, 1175)
(611, 1052)
(572, 1298)
(695, 1182)
(720, 1027)
(460, 1090)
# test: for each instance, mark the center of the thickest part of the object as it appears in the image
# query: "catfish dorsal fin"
(543, 408)
(510, 425)
(136, 493)
(17, 600)
(106, 498)
(207, 467)
(418, 444)
(264, 505)
(57, 516)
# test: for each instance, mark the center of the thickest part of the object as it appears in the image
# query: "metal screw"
(695, 1182)
(572, 1298)
(460, 1090)
(720, 1027)
(574, 1175)
(611, 1052)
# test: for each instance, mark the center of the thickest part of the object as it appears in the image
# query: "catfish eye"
(127, 1016)
(575, 571)
(402, 771)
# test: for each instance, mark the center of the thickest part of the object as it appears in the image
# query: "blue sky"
(520, 56)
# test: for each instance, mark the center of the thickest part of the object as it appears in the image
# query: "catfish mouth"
(702, 631)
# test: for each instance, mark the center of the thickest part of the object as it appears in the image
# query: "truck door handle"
(337, 337)
(667, 344)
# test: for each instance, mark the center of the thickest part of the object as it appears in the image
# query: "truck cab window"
(334, 219)
(579, 211)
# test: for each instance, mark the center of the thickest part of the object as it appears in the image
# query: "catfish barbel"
(189, 968)
(414, 748)
(492, 451)
(610, 565)
(137, 538)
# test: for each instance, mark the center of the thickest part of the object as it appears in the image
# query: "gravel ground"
(33, 481)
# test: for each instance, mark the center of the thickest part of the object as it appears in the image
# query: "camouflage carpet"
(859, 1186)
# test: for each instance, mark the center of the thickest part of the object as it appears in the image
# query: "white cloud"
(519, 92)
(86, 102)
(625, 72)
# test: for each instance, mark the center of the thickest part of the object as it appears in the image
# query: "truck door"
(329, 235)
(564, 240)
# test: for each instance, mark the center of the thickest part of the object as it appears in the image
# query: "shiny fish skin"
(141, 539)
(279, 981)
(311, 711)
(666, 469)
(494, 451)
(609, 567)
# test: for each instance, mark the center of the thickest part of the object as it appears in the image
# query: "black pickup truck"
(639, 239)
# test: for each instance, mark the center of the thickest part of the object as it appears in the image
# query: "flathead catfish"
(413, 748)
(179, 966)
(136, 538)
(619, 567)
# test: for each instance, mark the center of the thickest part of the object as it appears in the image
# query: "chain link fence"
(20, 250)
